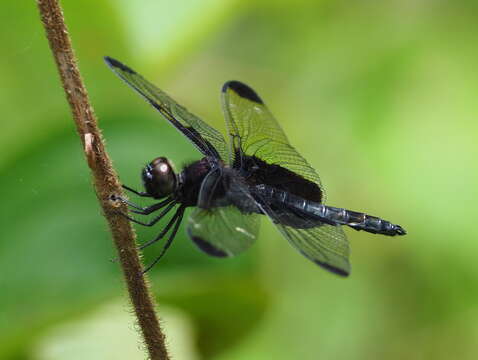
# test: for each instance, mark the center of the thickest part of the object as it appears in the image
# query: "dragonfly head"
(159, 178)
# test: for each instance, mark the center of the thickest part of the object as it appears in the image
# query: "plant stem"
(105, 179)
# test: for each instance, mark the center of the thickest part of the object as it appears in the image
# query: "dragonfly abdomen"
(356, 220)
(329, 214)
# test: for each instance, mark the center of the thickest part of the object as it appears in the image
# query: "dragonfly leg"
(149, 209)
(139, 193)
(142, 210)
(177, 219)
(152, 222)
(163, 232)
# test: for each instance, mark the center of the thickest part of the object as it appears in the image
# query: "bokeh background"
(380, 97)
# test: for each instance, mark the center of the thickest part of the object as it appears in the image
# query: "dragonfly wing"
(255, 132)
(208, 140)
(326, 245)
(217, 226)
(223, 231)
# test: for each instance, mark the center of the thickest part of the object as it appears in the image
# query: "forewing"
(255, 132)
(207, 139)
(223, 231)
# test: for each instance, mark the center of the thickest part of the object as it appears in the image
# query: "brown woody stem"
(104, 177)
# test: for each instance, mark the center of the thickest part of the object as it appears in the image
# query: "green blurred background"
(380, 97)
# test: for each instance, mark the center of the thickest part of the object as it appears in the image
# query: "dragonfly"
(256, 173)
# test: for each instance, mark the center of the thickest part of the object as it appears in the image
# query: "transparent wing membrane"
(326, 245)
(255, 132)
(207, 139)
(223, 231)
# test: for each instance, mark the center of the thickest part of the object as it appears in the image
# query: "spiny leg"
(155, 220)
(163, 203)
(180, 213)
(143, 210)
(139, 193)
(150, 209)
(163, 232)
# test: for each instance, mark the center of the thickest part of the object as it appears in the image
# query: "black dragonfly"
(258, 173)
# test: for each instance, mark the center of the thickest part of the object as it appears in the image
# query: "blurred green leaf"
(110, 332)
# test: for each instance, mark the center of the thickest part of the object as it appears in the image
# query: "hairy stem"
(105, 179)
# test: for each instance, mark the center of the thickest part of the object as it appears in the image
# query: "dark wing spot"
(116, 64)
(332, 269)
(278, 177)
(327, 267)
(242, 90)
(208, 248)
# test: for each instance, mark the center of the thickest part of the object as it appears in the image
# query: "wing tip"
(208, 248)
(242, 90)
(113, 63)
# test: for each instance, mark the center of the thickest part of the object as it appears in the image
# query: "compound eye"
(159, 178)
(161, 167)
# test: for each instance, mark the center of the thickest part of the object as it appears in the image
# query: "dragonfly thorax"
(159, 178)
